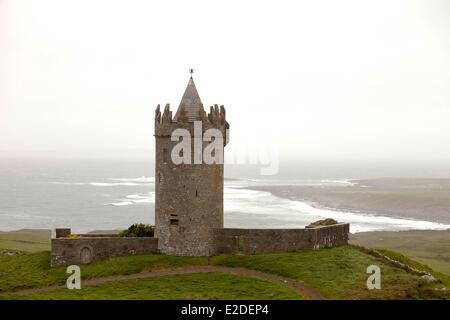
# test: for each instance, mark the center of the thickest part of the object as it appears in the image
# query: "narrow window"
(165, 155)
(173, 219)
(196, 192)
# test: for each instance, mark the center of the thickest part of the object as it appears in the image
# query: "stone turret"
(188, 196)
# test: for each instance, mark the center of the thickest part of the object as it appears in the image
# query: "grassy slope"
(25, 240)
(187, 286)
(338, 272)
(30, 270)
(445, 279)
(426, 246)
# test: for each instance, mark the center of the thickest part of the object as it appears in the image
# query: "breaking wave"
(241, 204)
(134, 199)
(142, 181)
(136, 180)
(243, 201)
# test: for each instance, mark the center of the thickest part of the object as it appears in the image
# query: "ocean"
(100, 194)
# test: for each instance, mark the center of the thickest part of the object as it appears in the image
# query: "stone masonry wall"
(278, 240)
(89, 248)
(330, 236)
(67, 251)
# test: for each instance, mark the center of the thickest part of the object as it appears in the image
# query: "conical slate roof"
(191, 103)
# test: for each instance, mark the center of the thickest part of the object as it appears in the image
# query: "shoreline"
(426, 200)
(363, 221)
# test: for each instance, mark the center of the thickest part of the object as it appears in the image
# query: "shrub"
(138, 230)
(325, 222)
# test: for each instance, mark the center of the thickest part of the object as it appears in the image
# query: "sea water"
(109, 195)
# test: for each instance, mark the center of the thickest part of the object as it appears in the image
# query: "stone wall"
(330, 236)
(67, 251)
(278, 240)
(91, 247)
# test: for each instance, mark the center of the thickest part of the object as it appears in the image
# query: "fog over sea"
(104, 195)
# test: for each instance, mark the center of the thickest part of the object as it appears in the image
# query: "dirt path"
(306, 291)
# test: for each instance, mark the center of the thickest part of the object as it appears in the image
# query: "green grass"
(25, 240)
(338, 273)
(188, 286)
(444, 278)
(29, 270)
(429, 247)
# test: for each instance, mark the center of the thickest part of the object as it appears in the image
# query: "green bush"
(324, 222)
(138, 230)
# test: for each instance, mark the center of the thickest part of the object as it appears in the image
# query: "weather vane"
(191, 71)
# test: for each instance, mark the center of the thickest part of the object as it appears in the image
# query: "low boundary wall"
(86, 249)
(278, 240)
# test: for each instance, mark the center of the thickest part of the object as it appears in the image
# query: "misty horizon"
(288, 169)
(350, 82)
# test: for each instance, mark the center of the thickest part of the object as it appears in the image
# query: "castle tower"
(188, 196)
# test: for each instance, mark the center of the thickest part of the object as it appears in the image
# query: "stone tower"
(188, 196)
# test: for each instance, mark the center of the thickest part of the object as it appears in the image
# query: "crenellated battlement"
(216, 115)
(165, 124)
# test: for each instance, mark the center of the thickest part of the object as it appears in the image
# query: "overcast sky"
(318, 79)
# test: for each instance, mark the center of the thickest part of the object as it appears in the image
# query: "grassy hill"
(337, 273)
(30, 240)
(430, 247)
